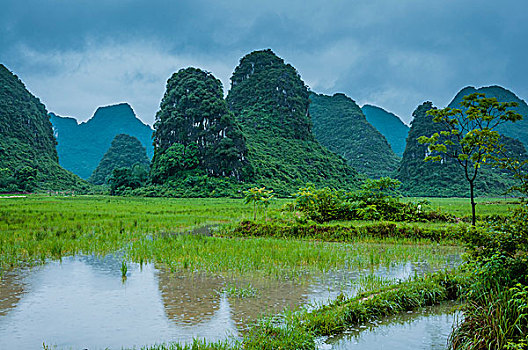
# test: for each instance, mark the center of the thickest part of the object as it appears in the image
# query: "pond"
(425, 329)
(82, 302)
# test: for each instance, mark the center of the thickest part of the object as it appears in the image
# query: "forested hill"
(28, 158)
(339, 124)
(446, 178)
(389, 125)
(125, 152)
(518, 130)
(82, 146)
(270, 102)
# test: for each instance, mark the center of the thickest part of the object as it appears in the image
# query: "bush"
(374, 201)
(496, 315)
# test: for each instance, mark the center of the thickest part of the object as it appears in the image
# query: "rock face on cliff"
(341, 126)
(389, 125)
(271, 104)
(28, 158)
(82, 146)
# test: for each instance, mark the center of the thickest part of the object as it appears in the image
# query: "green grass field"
(461, 207)
(38, 228)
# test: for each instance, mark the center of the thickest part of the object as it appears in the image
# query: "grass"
(38, 228)
(461, 207)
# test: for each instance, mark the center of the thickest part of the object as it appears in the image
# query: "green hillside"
(518, 130)
(270, 101)
(124, 152)
(195, 133)
(28, 158)
(389, 125)
(82, 146)
(445, 178)
(339, 125)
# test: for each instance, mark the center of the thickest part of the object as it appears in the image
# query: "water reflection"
(82, 302)
(189, 300)
(11, 290)
(428, 328)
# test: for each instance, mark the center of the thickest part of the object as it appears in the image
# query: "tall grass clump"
(496, 314)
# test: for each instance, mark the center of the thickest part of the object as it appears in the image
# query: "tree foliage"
(519, 130)
(270, 101)
(470, 135)
(375, 200)
(123, 180)
(195, 126)
(124, 152)
(444, 178)
(260, 198)
(27, 144)
(339, 125)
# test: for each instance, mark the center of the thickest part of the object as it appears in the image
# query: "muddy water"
(425, 329)
(82, 302)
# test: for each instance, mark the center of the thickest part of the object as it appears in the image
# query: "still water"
(425, 329)
(82, 302)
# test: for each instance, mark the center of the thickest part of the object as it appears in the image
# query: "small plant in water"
(244, 292)
(124, 269)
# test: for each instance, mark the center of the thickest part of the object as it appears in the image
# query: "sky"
(76, 55)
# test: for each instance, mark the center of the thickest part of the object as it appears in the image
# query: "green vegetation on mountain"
(124, 152)
(339, 125)
(445, 178)
(82, 146)
(28, 158)
(517, 130)
(471, 137)
(270, 101)
(195, 133)
(389, 125)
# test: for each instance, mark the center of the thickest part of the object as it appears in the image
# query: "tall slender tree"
(470, 136)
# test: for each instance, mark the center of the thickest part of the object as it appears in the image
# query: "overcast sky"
(76, 55)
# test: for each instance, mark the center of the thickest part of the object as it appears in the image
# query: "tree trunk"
(473, 204)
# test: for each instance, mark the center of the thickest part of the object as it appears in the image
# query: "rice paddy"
(179, 237)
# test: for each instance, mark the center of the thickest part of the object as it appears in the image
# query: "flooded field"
(83, 302)
(424, 329)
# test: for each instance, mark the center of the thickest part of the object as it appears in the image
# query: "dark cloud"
(77, 55)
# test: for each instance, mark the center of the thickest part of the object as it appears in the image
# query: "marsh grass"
(279, 258)
(233, 291)
(37, 228)
(147, 230)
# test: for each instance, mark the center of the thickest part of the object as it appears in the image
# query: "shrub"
(374, 201)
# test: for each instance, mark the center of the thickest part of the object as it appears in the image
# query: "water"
(425, 329)
(82, 302)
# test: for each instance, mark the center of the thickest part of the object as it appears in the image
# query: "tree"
(470, 136)
(260, 197)
(123, 179)
(26, 178)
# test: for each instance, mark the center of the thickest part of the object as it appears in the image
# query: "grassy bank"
(38, 228)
